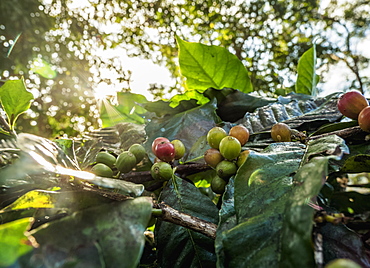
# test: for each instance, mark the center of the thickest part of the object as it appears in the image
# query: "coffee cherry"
(213, 157)
(225, 169)
(230, 147)
(165, 151)
(281, 132)
(342, 263)
(126, 161)
(102, 170)
(214, 137)
(241, 133)
(105, 158)
(218, 185)
(364, 119)
(179, 149)
(161, 171)
(138, 151)
(351, 103)
(158, 140)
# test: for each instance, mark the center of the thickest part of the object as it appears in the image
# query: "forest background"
(74, 55)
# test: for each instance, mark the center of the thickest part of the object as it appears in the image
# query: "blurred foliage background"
(55, 46)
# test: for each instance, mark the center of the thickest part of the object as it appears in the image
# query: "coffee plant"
(158, 190)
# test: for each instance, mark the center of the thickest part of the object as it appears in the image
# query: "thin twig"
(343, 133)
(172, 215)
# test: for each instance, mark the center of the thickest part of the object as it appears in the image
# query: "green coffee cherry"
(214, 136)
(230, 147)
(138, 151)
(105, 158)
(179, 148)
(161, 171)
(126, 161)
(225, 169)
(102, 170)
(218, 185)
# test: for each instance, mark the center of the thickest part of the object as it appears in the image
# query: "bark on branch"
(343, 133)
(172, 215)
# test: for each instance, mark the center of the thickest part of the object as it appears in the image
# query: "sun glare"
(103, 91)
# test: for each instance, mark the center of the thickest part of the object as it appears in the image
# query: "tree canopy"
(268, 37)
(288, 189)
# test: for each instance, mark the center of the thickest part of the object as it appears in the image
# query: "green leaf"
(32, 199)
(297, 110)
(296, 233)
(237, 104)
(178, 246)
(110, 235)
(211, 66)
(341, 242)
(187, 126)
(307, 78)
(129, 109)
(82, 152)
(272, 222)
(12, 242)
(188, 95)
(227, 220)
(15, 99)
(162, 108)
(41, 67)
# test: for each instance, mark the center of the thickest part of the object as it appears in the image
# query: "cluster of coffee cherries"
(166, 151)
(354, 105)
(225, 154)
(106, 162)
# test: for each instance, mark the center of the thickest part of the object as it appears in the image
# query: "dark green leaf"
(262, 187)
(176, 245)
(273, 220)
(110, 235)
(341, 242)
(187, 126)
(211, 66)
(296, 248)
(119, 137)
(162, 108)
(335, 126)
(237, 104)
(296, 110)
(328, 145)
(227, 220)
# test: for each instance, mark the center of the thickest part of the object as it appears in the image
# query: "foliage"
(283, 207)
(56, 46)
(197, 63)
(307, 78)
(15, 100)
